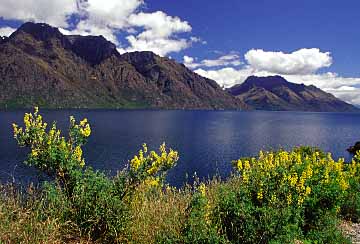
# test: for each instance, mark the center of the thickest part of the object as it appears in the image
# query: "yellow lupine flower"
(78, 153)
(300, 200)
(260, 195)
(135, 163)
(83, 122)
(289, 199)
(202, 189)
(239, 165)
(273, 199)
(34, 153)
(247, 165)
(82, 163)
(145, 148)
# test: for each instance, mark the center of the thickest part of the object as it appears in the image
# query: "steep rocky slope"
(41, 66)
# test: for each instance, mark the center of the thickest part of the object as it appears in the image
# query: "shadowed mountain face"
(276, 93)
(41, 66)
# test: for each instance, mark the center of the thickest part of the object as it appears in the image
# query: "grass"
(157, 216)
(300, 196)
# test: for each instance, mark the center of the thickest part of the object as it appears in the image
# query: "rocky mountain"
(276, 93)
(41, 66)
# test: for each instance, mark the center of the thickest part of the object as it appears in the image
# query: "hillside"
(276, 93)
(41, 66)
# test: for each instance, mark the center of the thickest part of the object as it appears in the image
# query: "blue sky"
(277, 25)
(308, 41)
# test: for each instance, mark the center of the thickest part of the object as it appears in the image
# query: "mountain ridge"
(41, 66)
(276, 93)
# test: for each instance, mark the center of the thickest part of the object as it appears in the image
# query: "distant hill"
(41, 66)
(276, 93)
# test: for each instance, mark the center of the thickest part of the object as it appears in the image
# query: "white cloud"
(342, 87)
(160, 46)
(227, 76)
(53, 12)
(302, 61)
(158, 24)
(159, 33)
(352, 96)
(155, 31)
(225, 60)
(298, 67)
(6, 31)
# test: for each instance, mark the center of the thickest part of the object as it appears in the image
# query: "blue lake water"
(206, 140)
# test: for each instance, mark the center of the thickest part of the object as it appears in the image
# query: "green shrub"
(199, 227)
(95, 203)
(277, 197)
(285, 196)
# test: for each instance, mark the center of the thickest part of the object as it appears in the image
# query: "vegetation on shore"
(277, 197)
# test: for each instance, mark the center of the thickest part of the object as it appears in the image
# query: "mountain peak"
(39, 31)
(56, 70)
(93, 49)
(276, 93)
(140, 57)
(266, 81)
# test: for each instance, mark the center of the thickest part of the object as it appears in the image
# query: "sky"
(313, 42)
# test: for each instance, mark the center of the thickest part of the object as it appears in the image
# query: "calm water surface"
(206, 140)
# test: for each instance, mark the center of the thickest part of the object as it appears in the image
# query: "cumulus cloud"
(159, 33)
(158, 24)
(160, 46)
(225, 60)
(298, 67)
(54, 12)
(6, 31)
(303, 61)
(155, 31)
(342, 87)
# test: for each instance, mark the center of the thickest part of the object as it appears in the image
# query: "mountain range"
(276, 93)
(41, 66)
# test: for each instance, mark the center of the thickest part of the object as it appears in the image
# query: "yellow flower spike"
(273, 199)
(78, 153)
(145, 148)
(260, 195)
(153, 182)
(202, 189)
(36, 109)
(83, 122)
(82, 163)
(239, 165)
(135, 163)
(34, 153)
(247, 165)
(289, 199)
(300, 201)
(163, 148)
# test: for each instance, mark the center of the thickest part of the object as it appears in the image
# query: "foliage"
(199, 227)
(287, 194)
(97, 204)
(277, 197)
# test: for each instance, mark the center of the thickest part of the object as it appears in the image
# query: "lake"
(206, 140)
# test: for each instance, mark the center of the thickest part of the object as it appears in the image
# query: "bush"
(199, 227)
(95, 203)
(284, 196)
(276, 197)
